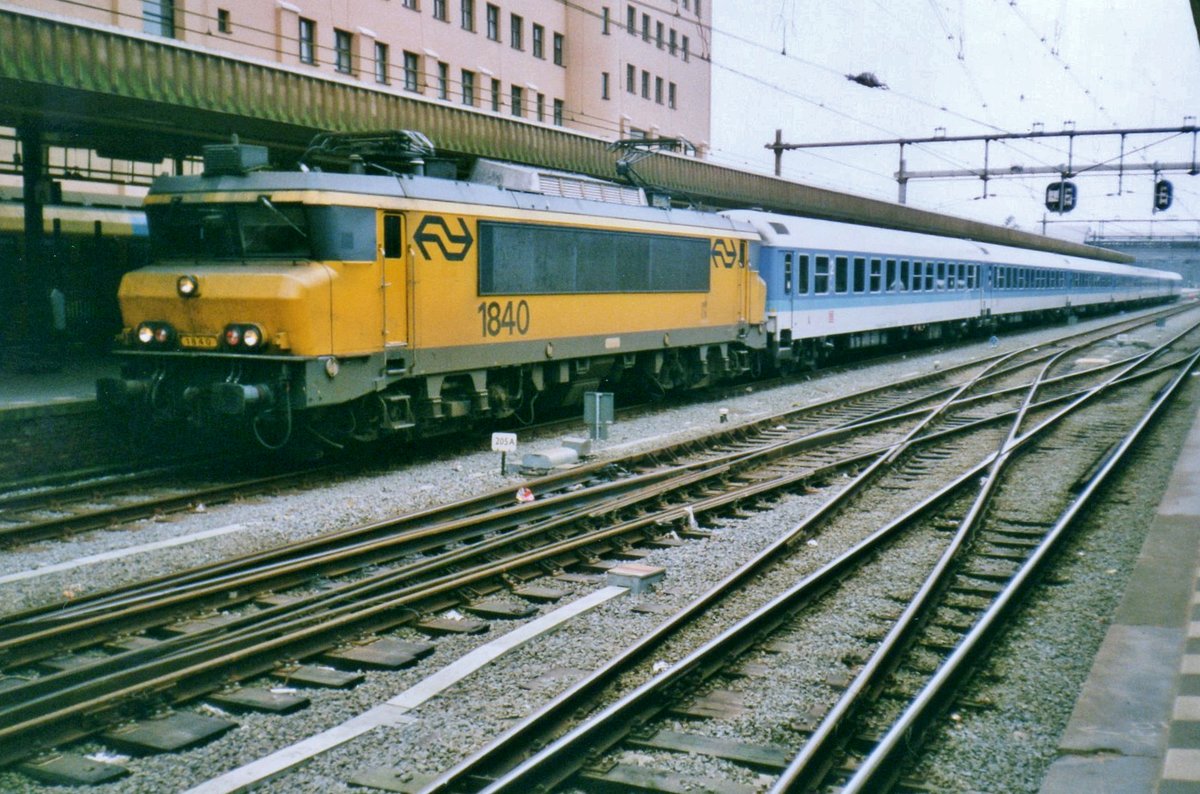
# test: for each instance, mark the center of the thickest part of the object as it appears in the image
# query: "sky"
(969, 67)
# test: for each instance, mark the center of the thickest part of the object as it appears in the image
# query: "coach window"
(972, 276)
(905, 275)
(929, 274)
(787, 273)
(860, 274)
(1000, 277)
(876, 275)
(891, 279)
(841, 274)
(917, 282)
(802, 276)
(821, 275)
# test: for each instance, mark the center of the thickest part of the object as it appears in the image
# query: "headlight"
(153, 334)
(244, 336)
(187, 286)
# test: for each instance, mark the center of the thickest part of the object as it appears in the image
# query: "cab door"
(395, 282)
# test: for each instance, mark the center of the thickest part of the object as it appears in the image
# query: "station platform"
(73, 386)
(1136, 724)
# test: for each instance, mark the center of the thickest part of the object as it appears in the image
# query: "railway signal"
(1060, 196)
(1164, 191)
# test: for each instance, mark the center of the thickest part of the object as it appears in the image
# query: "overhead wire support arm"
(904, 175)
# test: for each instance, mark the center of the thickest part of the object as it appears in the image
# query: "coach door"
(394, 282)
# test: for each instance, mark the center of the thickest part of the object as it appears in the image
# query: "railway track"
(983, 538)
(456, 556)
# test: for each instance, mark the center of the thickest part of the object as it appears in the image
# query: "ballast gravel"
(448, 727)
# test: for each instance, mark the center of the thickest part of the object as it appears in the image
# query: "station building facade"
(609, 68)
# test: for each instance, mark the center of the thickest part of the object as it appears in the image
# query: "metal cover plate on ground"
(167, 734)
(452, 626)
(640, 777)
(258, 699)
(762, 755)
(384, 654)
(536, 593)
(501, 609)
(131, 644)
(720, 704)
(388, 778)
(311, 675)
(63, 663)
(70, 769)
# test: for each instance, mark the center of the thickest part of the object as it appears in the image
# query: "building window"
(410, 4)
(645, 84)
(493, 22)
(539, 40)
(631, 20)
(342, 41)
(604, 85)
(685, 48)
(468, 15)
(658, 35)
(658, 90)
(516, 32)
(518, 101)
(631, 78)
(495, 95)
(224, 25)
(671, 96)
(381, 62)
(541, 107)
(558, 113)
(308, 37)
(645, 27)
(697, 7)
(412, 71)
(558, 49)
(604, 19)
(673, 45)
(439, 10)
(158, 17)
(468, 88)
(443, 80)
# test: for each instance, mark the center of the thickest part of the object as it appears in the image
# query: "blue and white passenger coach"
(835, 286)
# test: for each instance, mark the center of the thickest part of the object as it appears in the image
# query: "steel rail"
(544, 722)
(812, 762)
(880, 765)
(38, 714)
(548, 766)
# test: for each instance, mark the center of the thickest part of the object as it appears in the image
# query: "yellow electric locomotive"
(331, 305)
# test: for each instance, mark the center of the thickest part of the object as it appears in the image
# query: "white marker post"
(504, 443)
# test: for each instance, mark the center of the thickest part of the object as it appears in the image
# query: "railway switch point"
(637, 577)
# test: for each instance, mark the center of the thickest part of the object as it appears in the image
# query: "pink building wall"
(456, 61)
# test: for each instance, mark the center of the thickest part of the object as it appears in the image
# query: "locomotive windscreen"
(261, 229)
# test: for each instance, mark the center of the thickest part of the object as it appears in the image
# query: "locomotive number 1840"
(496, 317)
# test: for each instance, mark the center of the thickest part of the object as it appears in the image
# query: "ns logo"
(724, 253)
(434, 232)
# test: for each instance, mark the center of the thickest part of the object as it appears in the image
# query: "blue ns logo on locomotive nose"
(434, 230)
(724, 253)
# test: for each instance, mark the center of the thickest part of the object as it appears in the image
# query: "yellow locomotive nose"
(277, 308)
